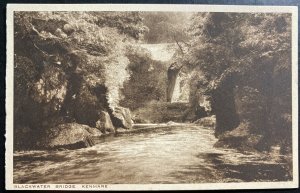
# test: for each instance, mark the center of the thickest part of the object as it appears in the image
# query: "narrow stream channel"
(175, 154)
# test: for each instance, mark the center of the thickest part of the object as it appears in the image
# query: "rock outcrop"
(104, 123)
(121, 117)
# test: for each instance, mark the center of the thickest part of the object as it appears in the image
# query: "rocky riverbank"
(76, 136)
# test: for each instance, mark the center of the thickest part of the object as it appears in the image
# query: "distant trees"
(147, 82)
(169, 27)
(166, 27)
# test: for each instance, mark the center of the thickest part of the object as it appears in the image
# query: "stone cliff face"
(56, 94)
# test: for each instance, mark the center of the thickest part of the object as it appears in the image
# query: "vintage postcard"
(151, 97)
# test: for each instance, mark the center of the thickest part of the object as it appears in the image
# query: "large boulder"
(69, 136)
(207, 121)
(122, 117)
(104, 123)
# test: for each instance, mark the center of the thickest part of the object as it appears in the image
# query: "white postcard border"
(147, 7)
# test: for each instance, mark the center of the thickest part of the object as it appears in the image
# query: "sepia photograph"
(151, 97)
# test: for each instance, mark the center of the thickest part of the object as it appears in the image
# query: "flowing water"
(174, 154)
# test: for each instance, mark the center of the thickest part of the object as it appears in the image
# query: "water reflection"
(177, 154)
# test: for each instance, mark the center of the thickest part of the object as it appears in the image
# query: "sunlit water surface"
(176, 154)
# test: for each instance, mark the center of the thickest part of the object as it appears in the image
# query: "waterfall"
(178, 88)
(181, 88)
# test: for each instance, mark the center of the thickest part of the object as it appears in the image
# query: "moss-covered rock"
(69, 136)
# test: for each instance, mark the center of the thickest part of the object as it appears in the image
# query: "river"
(173, 154)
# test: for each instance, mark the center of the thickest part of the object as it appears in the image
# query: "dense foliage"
(246, 57)
(70, 65)
(147, 82)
